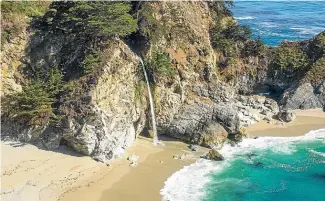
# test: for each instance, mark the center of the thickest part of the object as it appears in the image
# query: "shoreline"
(306, 120)
(29, 172)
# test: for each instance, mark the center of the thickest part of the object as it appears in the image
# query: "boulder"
(213, 135)
(214, 155)
(287, 115)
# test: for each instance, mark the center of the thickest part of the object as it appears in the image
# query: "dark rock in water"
(287, 115)
(258, 164)
(250, 155)
(192, 147)
(214, 155)
(256, 137)
(237, 137)
(319, 175)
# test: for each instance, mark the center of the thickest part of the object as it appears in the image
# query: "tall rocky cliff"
(202, 99)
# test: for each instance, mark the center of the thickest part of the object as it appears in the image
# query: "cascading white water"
(153, 117)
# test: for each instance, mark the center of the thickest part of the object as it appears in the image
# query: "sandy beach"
(32, 174)
(305, 121)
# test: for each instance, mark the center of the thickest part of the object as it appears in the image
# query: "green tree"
(33, 104)
(55, 81)
(94, 18)
(159, 64)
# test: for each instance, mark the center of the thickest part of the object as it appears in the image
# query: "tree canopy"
(94, 18)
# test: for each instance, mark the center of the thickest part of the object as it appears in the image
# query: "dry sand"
(306, 121)
(31, 174)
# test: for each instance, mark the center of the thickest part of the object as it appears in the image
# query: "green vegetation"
(92, 62)
(317, 47)
(28, 8)
(92, 18)
(253, 48)
(316, 74)
(16, 14)
(224, 37)
(158, 65)
(220, 7)
(34, 103)
(289, 58)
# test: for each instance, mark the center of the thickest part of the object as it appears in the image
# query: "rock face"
(214, 155)
(320, 92)
(301, 97)
(105, 119)
(117, 115)
(11, 59)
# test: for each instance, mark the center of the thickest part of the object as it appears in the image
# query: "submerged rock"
(214, 155)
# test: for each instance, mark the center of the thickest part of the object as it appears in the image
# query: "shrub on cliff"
(91, 61)
(34, 103)
(317, 47)
(253, 48)
(289, 58)
(159, 64)
(15, 16)
(316, 74)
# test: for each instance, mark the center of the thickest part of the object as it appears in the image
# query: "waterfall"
(152, 110)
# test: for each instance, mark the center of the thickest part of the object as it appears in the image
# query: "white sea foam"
(245, 18)
(188, 183)
(317, 152)
(308, 30)
(269, 25)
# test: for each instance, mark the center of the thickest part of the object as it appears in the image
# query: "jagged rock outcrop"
(104, 119)
(115, 115)
(301, 97)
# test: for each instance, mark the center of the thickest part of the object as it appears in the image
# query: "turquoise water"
(263, 169)
(268, 176)
(276, 21)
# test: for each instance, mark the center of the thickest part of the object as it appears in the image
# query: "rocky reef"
(203, 97)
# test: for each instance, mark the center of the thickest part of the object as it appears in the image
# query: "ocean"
(275, 21)
(263, 169)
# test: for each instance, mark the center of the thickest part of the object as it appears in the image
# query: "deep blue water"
(263, 169)
(276, 21)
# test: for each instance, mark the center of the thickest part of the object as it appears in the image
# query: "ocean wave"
(307, 30)
(188, 183)
(269, 25)
(317, 152)
(245, 18)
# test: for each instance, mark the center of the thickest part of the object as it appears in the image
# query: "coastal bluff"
(82, 86)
